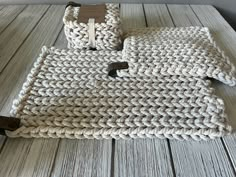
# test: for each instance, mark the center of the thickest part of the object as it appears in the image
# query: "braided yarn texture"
(107, 34)
(68, 94)
(186, 51)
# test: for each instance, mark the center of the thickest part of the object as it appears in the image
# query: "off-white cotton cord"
(68, 94)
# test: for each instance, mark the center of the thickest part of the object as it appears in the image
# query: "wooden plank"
(183, 17)
(131, 13)
(85, 158)
(13, 76)
(157, 15)
(225, 37)
(27, 157)
(13, 156)
(8, 14)
(140, 157)
(33, 157)
(197, 158)
(14, 35)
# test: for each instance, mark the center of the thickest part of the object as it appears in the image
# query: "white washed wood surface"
(15, 34)
(83, 158)
(204, 158)
(140, 157)
(8, 14)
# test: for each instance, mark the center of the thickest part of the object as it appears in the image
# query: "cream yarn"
(107, 35)
(68, 94)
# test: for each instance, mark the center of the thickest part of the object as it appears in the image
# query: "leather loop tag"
(113, 67)
(73, 4)
(8, 123)
(97, 12)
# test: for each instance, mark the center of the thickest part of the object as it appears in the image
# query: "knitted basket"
(107, 34)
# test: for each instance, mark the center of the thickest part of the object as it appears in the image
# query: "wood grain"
(140, 157)
(198, 159)
(83, 158)
(8, 14)
(27, 157)
(14, 35)
(210, 157)
(45, 33)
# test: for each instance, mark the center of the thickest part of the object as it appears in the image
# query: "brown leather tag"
(92, 11)
(8, 123)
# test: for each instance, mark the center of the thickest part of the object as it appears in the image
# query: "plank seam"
(112, 173)
(229, 156)
(170, 15)
(13, 18)
(25, 39)
(171, 158)
(196, 15)
(54, 159)
(144, 13)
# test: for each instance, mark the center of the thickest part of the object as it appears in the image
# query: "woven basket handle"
(113, 67)
(71, 3)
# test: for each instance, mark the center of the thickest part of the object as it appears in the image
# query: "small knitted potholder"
(68, 94)
(186, 51)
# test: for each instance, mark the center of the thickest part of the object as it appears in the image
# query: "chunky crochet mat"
(68, 94)
(186, 51)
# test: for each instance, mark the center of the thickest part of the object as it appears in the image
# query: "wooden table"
(25, 29)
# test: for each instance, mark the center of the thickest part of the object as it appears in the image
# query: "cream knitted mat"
(186, 51)
(68, 94)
